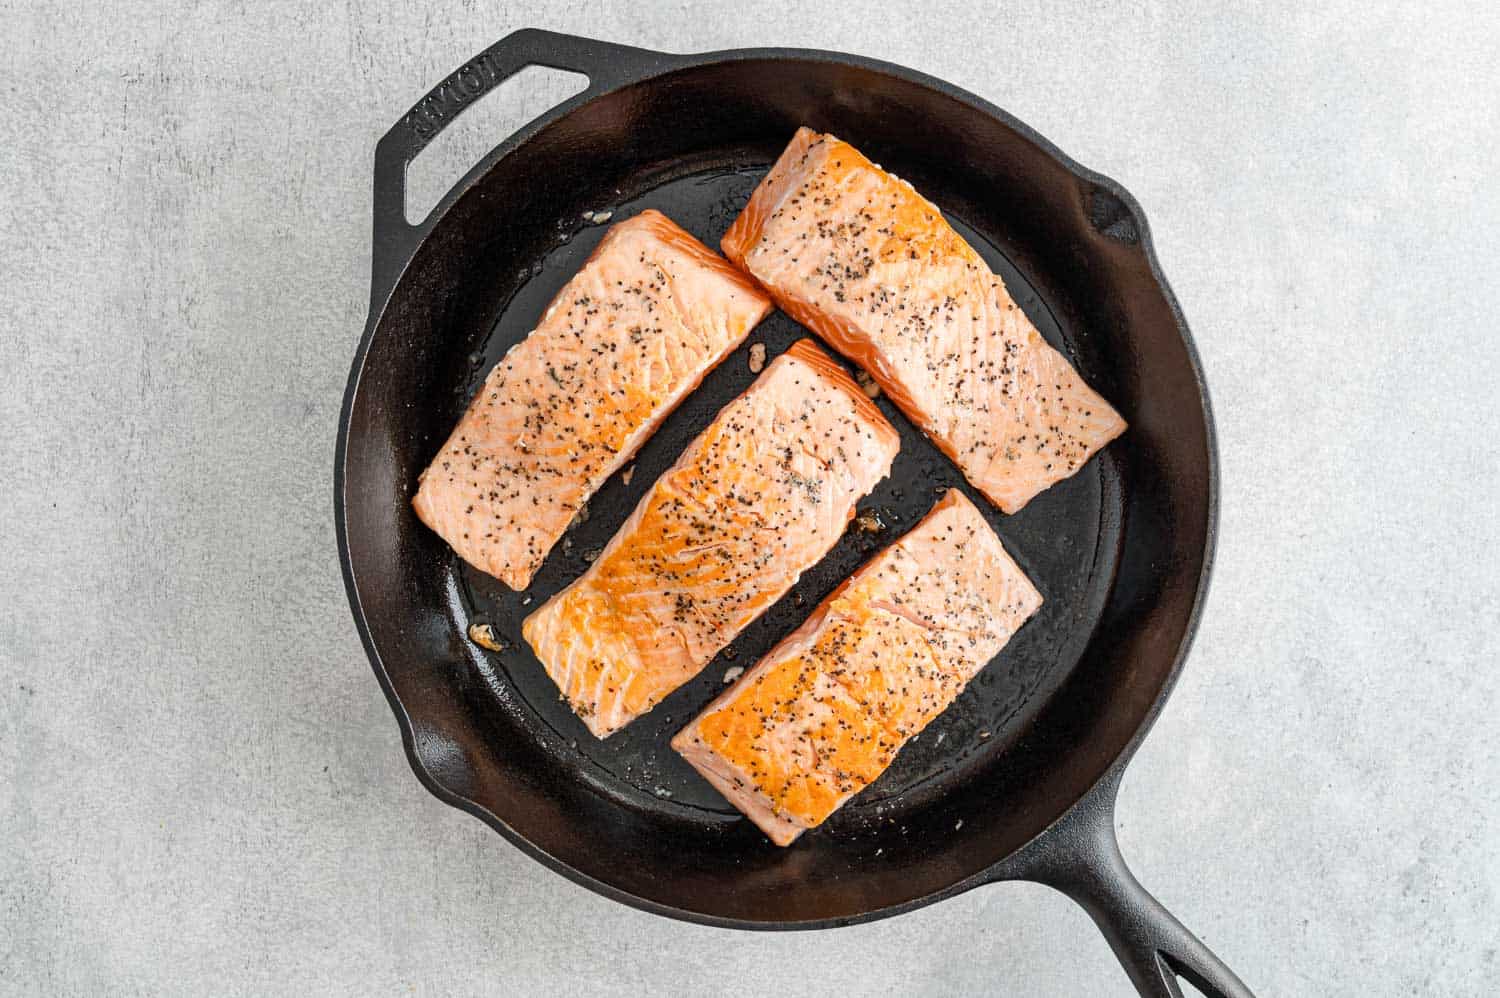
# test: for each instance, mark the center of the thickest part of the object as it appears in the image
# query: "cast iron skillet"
(1018, 780)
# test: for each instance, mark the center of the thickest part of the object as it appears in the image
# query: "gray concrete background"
(201, 788)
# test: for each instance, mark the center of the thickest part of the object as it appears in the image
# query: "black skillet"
(1018, 779)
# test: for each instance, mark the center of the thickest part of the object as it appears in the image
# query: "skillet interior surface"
(1116, 551)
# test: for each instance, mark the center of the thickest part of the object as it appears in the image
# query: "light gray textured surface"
(201, 787)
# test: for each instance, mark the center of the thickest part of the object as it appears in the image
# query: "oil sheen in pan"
(1055, 539)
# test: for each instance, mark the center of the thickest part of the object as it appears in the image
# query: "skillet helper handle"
(1080, 856)
(606, 65)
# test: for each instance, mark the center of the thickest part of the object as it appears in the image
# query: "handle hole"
(479, 128)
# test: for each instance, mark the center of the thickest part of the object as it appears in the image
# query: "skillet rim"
(655, 65)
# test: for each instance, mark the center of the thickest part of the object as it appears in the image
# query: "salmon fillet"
(627, 339)
(760, 496)
(825, 712)
(859, 257)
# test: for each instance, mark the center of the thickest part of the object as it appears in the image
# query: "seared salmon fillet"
(859, 257)
(627, 339)
(760, 496)
(825, 712)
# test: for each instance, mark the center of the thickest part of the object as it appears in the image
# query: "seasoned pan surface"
(1018, 779)
(1118, 551)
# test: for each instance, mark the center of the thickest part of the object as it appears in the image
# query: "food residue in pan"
(483, 635)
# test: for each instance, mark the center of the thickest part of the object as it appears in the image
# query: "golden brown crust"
(823, 714)
(758, 497)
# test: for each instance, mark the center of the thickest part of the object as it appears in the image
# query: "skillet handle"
(1080, 857)
(607, 66)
